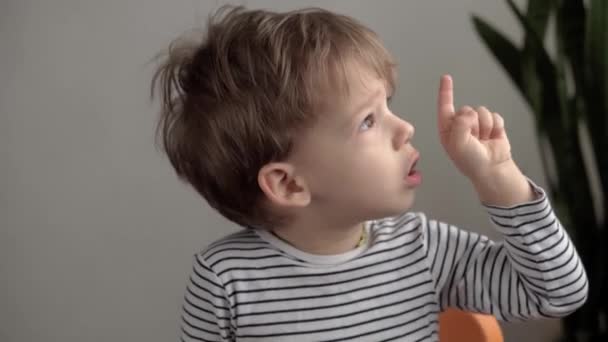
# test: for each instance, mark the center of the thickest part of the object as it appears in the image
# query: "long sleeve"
(534, 272)
(206, 310)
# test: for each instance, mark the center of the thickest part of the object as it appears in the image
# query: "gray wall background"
(96, 233)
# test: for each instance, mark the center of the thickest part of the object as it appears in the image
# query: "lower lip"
(414, 178)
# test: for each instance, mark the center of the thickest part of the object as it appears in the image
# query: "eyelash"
(369, 118)
(372, 118)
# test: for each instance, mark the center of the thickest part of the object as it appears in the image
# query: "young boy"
(281, 122)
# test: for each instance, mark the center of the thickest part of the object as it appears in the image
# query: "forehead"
(359, 86)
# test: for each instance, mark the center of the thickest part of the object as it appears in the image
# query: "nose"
(404, 132)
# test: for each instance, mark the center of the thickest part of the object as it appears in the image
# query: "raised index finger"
(445, 102)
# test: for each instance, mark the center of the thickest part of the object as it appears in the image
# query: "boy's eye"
(368, 122)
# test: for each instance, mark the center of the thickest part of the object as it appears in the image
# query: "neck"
(314, 238)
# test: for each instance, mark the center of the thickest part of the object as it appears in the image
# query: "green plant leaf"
(570, 23)
(596, 75)
(563, 137)
(549, 109)
(538, 14)
(502, 49)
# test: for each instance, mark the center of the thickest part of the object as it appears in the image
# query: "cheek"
(323, 170)
(340, 176)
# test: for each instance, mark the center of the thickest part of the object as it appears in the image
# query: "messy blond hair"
(234, 98)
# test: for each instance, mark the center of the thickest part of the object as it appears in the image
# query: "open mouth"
(414, 164)
(414, 177)
(413, 168)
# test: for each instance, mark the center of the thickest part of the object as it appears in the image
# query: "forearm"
(534, 272)
(542, 258)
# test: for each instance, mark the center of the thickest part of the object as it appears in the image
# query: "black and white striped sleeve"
(206, 310)
(534, 272)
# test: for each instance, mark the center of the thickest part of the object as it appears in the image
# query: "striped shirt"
(252, 286)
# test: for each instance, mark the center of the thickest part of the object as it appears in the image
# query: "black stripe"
(294, 287)
(527, 252)
(443, 263)
(423, 338)
(491, 277)
(337, 293)
(234, 242)
(189, 290)
(582, 287)
(529, 243)
(518, 233)
(213, 323)
(195, 337)
(462, 269)
(501, 285)
(346, 326)
(531, 222)
(363, 256)
(232, 237)
(576, 302)
(270, 267)
(476, 305)
(398, 245)
(200, 287)
(517, 264)
(516, 256)
(436, 249)
(518, 285)
(204, 266)
(327, 318)
(568, 284)
(260, 313)
(239, 315)
(522, 214)
(261, 257)
(232, 249)
(483, 266)
(396, 224)
(198, 328)
(576, 266)
(204, 309)
(520, 206)
(467, 267)
(568, 245)
(531, 285)
(324, 274)
(349, 338)
(454, 267)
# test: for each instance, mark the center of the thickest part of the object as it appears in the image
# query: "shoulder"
(237, 244)
(235, 249)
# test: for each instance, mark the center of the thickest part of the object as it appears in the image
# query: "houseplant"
(567, 93)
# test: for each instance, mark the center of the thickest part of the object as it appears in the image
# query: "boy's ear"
(282, 186)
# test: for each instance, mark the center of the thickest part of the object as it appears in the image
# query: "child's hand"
(475, 139)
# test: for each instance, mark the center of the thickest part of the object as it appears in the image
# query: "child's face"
(357, 159)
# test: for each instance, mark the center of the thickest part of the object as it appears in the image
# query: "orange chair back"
(460, 326)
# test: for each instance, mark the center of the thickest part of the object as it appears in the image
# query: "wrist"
(504, 186)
